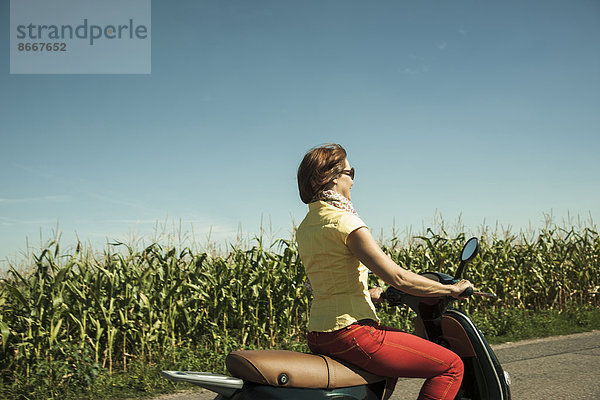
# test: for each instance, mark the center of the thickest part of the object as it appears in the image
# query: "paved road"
(563, 367)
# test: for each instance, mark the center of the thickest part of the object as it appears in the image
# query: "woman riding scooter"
(336, 248)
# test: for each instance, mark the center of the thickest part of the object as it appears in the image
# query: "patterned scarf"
(336, 200)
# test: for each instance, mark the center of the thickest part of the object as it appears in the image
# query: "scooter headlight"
(507, 378)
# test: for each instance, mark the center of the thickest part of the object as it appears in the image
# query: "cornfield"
(76, 317)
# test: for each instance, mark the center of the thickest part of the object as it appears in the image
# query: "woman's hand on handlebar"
(460, 287)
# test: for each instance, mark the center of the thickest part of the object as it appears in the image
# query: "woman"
(336, 248)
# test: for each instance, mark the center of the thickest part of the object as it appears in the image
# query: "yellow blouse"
(338, 279)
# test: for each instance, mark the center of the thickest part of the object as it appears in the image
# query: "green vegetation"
(508, 325)
(81, 325)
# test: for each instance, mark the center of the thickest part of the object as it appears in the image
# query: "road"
(562, 367)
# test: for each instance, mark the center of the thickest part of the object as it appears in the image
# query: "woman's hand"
(376, 293)
(459, 287)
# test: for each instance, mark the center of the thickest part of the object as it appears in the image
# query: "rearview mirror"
(470, 250)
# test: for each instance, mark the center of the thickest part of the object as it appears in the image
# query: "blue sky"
(487, 110)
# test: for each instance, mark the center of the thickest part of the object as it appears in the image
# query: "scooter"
(282, 374)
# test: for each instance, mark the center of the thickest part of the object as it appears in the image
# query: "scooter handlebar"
(470, 292)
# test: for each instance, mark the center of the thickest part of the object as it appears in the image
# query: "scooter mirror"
(468, 253)
(470, 250)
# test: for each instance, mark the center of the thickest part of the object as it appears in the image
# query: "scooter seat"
(284, 368)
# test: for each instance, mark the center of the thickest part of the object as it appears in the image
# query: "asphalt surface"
(562, 367)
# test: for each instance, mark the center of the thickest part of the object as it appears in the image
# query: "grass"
(515, 325)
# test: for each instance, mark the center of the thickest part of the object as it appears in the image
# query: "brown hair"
(318, 168)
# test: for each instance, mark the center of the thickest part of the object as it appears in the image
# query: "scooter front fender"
(482, 369)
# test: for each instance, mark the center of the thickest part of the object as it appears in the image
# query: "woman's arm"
(363, 246)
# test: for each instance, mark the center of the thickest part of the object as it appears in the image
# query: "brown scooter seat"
(292, 369)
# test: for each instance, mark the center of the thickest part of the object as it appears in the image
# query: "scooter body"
(279, 374)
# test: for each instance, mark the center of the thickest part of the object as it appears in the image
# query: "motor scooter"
(282, 374)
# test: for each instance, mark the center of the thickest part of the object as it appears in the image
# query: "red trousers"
(390, 352)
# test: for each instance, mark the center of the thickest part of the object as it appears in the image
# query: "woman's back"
(338, 279)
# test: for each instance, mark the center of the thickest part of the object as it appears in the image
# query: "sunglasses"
(349, 172)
